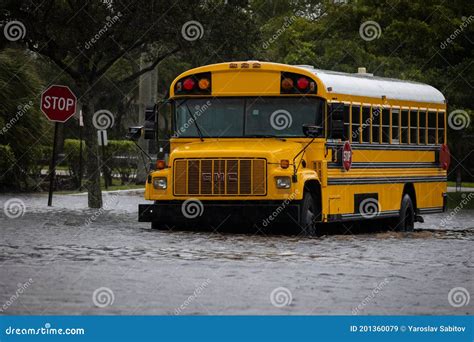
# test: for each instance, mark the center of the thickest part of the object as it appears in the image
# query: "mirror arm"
(294, 178)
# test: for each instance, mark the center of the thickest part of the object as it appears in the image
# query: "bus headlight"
(160, 183)
(283, 182)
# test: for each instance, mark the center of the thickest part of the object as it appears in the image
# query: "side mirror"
(311, 131)
(336, 121)
(134, 133)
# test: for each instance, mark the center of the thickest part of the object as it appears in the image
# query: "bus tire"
(406, 220)
(308, 215)
(160, 226)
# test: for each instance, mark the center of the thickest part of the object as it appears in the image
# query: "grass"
(116, 185)
(463, 184)
(461, 199)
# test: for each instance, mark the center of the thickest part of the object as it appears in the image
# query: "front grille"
(220, 177)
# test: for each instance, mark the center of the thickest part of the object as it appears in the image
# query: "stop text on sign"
(59, 103)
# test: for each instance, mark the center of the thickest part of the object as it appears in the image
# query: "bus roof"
(374, 86)
(334, 82)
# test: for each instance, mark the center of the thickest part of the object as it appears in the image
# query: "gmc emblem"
(220, 176)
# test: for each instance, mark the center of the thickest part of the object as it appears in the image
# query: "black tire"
(406, 219)
(160, 226)
(308, 215)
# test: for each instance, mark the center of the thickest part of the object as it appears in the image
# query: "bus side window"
(422, 123)
(441, 127)
(385, 125)
(347, 123)
(355, 123)
(365, 124)
(395, 118)
(404, 127)
(413, 126)
(376, 114)
(431, 127)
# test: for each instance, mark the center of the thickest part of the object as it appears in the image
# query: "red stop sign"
(347, 156)
(58, 103)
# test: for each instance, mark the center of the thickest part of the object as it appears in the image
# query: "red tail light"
(188, 84)
(302, 83)
(292, 83)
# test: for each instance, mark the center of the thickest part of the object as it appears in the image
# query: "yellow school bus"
(264, 143)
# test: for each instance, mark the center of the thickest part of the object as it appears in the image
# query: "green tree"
(425, 41)
(85, 39)
(22, 126)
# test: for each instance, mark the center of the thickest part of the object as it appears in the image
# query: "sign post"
(58, 103)
(81, 125)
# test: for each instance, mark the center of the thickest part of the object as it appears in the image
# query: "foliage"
(7, 159)
(420, 41)
(22, 126)
(412, 45)
(120, 158)
(87, 40)
(72, 159)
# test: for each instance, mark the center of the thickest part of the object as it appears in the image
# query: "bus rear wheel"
(308, 215)
(406, 219)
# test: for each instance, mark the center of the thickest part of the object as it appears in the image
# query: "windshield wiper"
(195, 121)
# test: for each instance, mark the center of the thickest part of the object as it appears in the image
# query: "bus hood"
(272, 149)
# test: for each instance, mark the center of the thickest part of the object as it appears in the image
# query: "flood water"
(59, 257)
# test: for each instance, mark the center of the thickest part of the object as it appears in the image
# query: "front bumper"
(260, 213)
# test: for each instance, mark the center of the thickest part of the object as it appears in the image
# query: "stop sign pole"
(58, 103)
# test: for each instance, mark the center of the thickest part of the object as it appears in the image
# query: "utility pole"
(147, 90)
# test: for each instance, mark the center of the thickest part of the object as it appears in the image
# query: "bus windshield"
(246, 116)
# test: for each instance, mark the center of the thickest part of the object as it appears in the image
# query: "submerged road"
(71, 260)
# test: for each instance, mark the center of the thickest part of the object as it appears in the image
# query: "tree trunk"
(94, 198)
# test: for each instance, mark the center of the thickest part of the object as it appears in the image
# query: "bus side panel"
(346, 199)
(430, 195)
